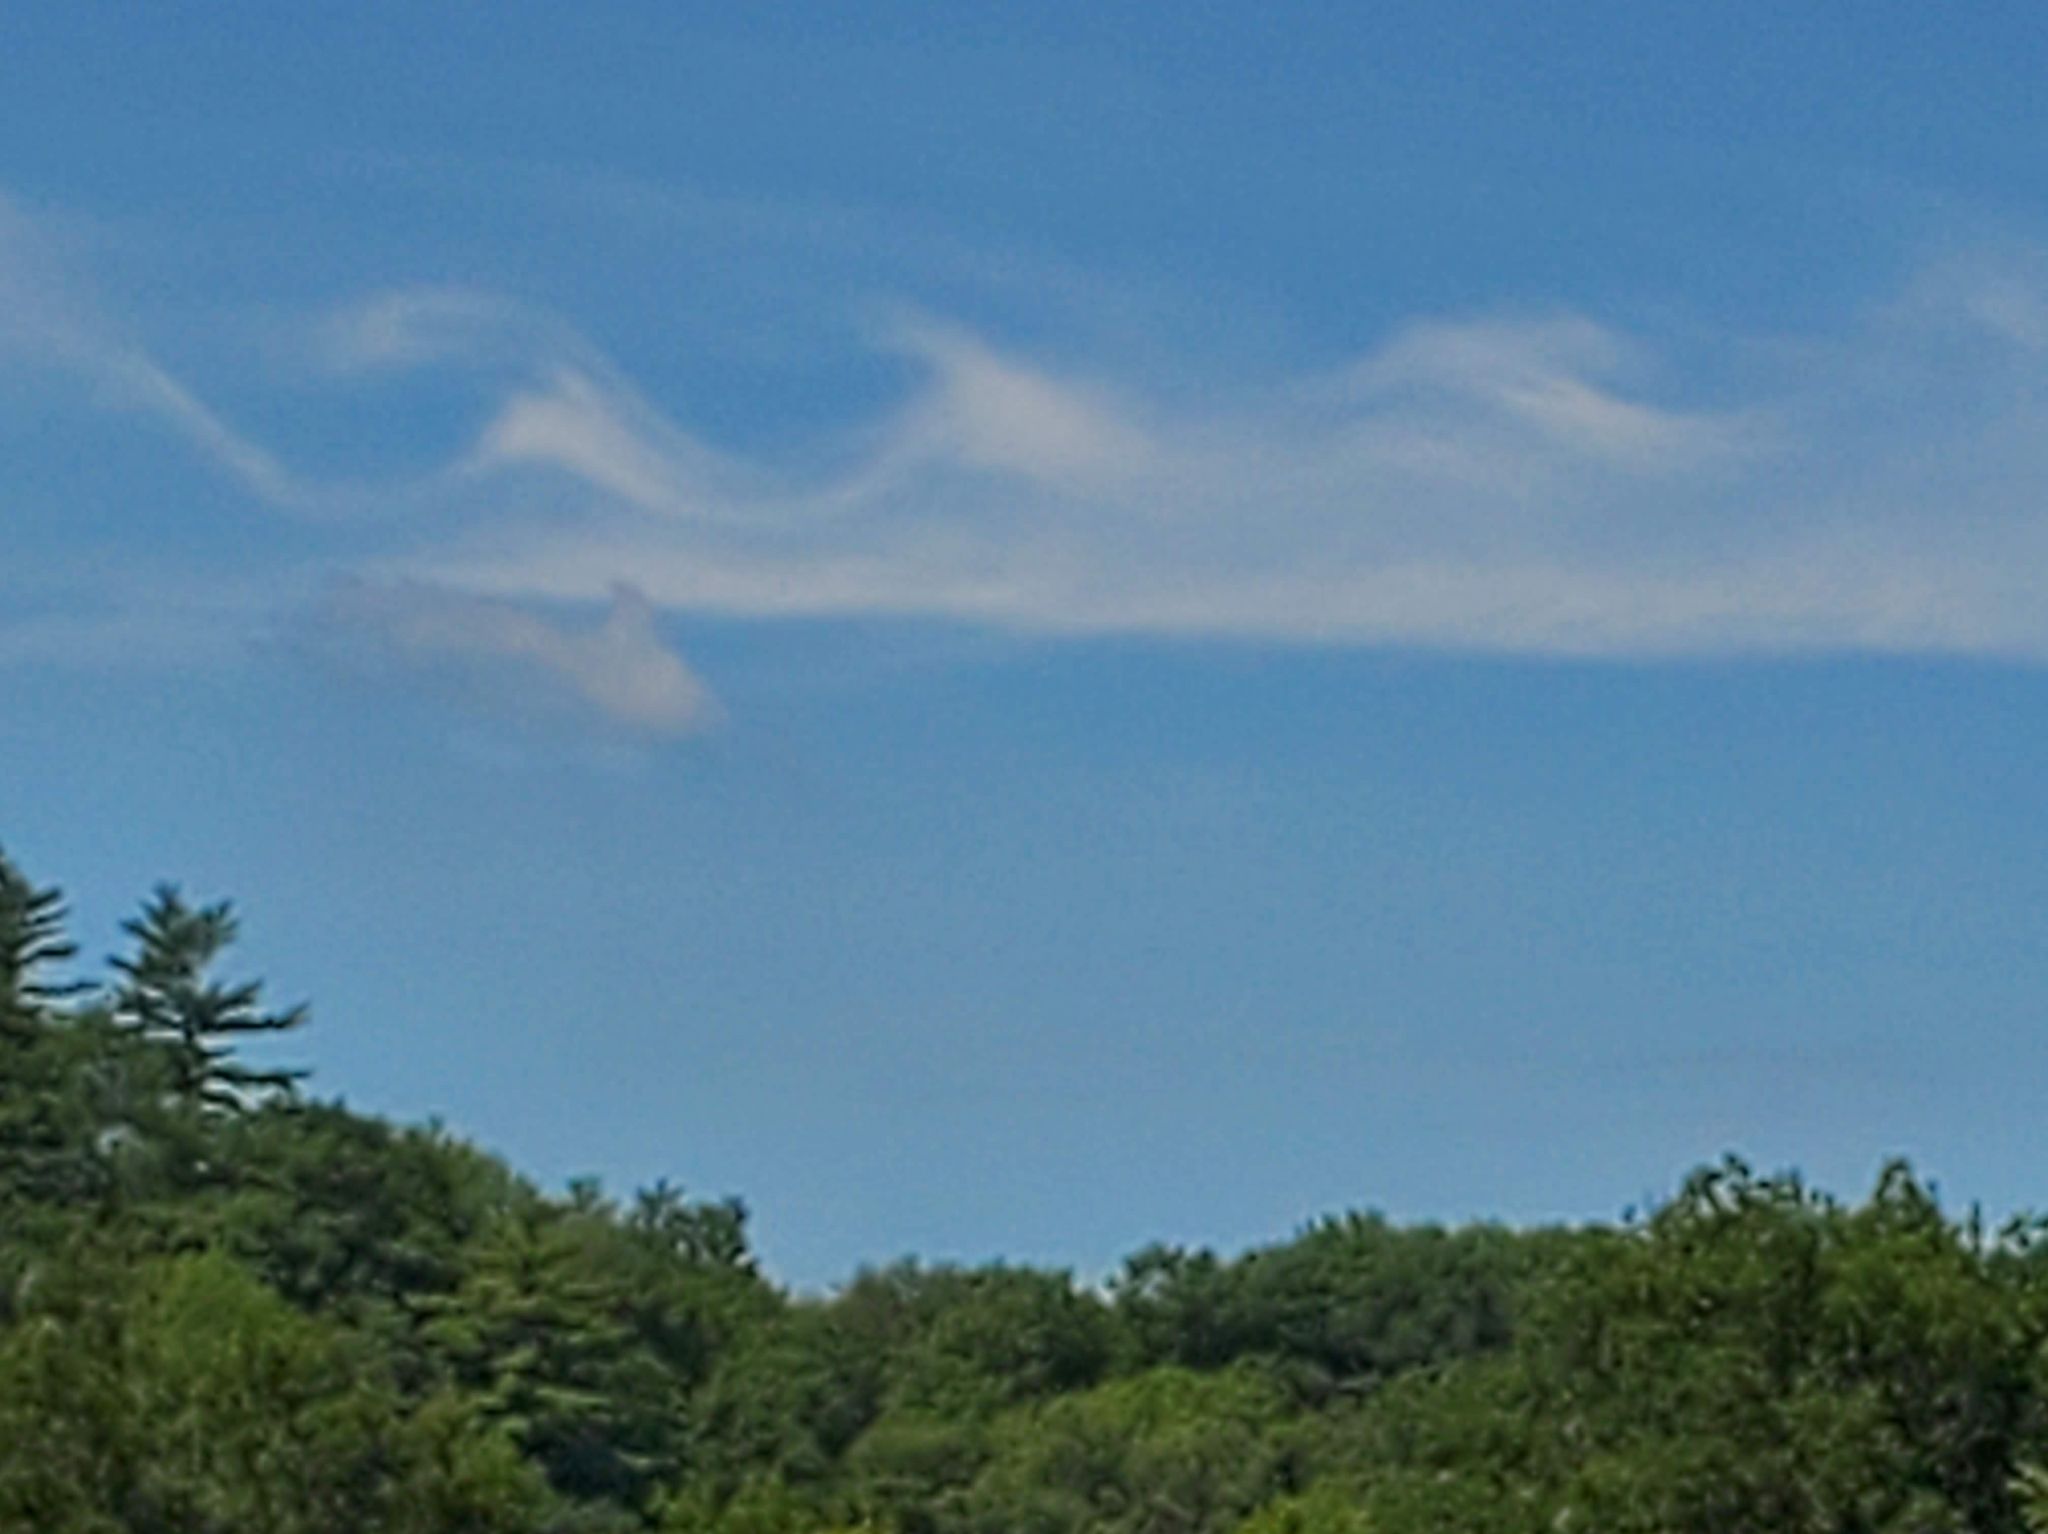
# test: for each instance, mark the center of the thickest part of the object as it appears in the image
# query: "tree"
(2030, 1486)
(62, 1072)
(167, 997)
(181, 1394)
(1169, 1451)
(31, 938)
(548, 1330)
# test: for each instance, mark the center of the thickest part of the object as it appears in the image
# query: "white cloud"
(1555, 377)
(46, 319)
(416, 327)
(993, 412)
(1541, 484)
(145, 385)
(607, 437)
(620, 668)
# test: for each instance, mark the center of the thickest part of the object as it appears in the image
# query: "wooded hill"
(229, 1308)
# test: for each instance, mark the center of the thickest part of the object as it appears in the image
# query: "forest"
(228, 1305)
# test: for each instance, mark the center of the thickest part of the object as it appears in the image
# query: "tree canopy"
(226, 1305)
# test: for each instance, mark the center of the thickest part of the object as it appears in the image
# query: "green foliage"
(2030, 1488)
(1169, 1451)
(976, 1341)
(168, 997)
(1758, 1357)
(538, 1329)
(787, 1400)
(1325, 1509)
(1350, 1303)
(338, 1211)
(916, 1470)
(31, 940)
(179, 1393)
(224, 1307)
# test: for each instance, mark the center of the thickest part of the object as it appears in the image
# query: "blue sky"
(1017, 629)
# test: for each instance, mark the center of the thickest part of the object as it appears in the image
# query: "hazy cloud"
(995, 413)
(47, 320)
(619, 668)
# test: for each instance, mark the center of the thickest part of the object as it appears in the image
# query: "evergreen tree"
(31, 939)
(49, 1073)
(167, 996)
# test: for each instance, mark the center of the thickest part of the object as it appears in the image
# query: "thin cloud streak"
(47, 320)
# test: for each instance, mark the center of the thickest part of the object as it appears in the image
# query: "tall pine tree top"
(31, 939)
(168, 996)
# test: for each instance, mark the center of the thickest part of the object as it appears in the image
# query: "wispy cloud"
(985, 411)
(1537, 483)
(48, 319)
(618, 669)
(83, 612)
(598, 431)
(1542, 484)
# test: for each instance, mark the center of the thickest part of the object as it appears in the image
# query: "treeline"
(228, 1308)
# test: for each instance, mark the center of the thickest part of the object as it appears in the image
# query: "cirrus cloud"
(1540, 483)
(1526, 484)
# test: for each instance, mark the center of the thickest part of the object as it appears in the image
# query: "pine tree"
(59, 1082)
(31, 939)
(168, 997)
